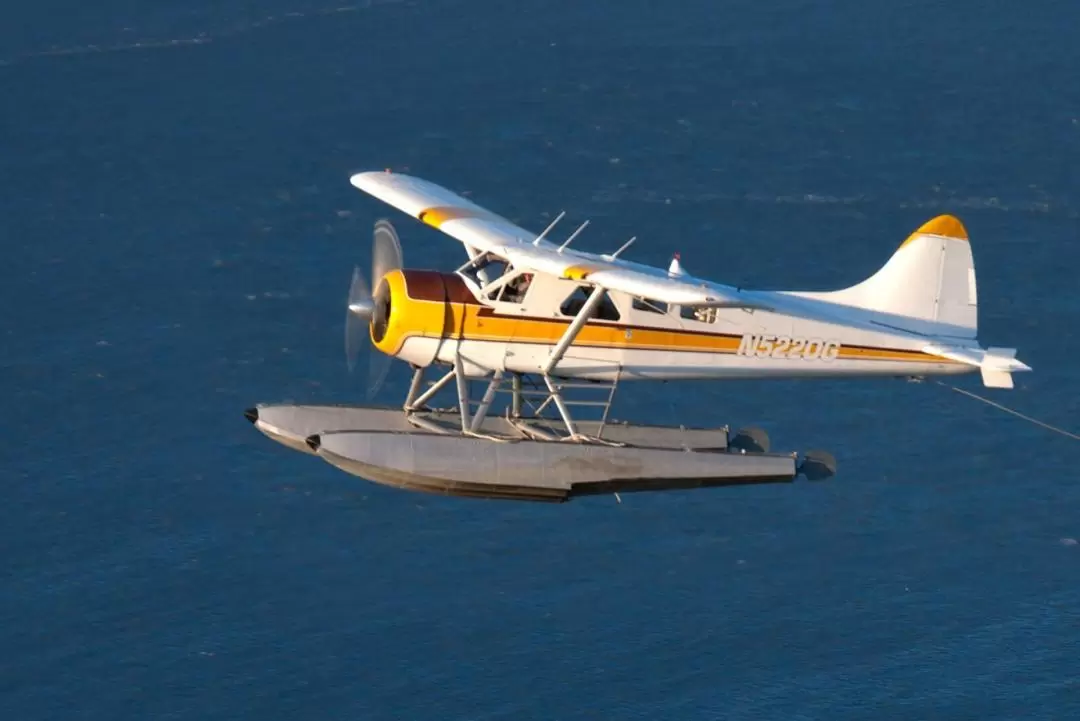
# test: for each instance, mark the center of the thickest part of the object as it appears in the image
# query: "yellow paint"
(947, 226)
(436, 216)
(577, 272)
(435, 319)
(885, 354)
(407, 316)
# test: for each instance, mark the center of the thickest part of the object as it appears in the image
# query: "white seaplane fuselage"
(434, 317)
(524, 307)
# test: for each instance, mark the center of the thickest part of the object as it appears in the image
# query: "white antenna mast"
(625, 245)
(574, 235)
(548, 229)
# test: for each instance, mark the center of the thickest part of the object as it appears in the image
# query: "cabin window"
(514, 290)
(576, 300)
(650, 306)
(701, 315)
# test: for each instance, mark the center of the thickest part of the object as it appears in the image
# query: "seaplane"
(532, 335)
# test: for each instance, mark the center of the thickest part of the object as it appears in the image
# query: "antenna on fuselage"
(573, 235)
(548, 229)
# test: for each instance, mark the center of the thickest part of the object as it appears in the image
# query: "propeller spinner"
(364, 308)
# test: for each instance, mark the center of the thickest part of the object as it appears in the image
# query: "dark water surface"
(179, 233)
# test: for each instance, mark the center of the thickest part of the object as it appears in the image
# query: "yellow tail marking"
(947, 226)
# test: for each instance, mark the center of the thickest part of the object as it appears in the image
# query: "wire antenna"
(1018, 414)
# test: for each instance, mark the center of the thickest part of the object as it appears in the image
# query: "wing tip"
(359, 179)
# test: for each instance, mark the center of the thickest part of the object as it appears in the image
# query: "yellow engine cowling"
(415, 310)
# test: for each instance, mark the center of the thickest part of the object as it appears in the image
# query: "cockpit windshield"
(485, 269)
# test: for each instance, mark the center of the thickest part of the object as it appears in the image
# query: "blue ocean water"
(179, 233)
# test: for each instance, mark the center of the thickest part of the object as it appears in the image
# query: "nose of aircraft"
(380, 313)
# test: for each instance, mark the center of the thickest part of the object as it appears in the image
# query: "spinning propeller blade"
(385, 251)
(357, 316)
(385, 257)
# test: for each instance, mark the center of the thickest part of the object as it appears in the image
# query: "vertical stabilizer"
(930, 278)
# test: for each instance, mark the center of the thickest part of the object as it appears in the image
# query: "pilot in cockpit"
(516, 289)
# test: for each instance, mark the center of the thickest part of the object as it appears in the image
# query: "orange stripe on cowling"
(408, 316)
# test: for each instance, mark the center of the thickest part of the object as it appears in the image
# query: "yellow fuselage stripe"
(461, 321)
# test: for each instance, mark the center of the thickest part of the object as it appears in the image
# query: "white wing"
(486, 231)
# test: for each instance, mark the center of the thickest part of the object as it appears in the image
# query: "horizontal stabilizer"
(996, 379)
(996, 365)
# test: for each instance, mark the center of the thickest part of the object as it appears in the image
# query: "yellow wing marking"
(440, 214)
(578, 272)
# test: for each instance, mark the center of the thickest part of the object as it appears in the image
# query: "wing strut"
(574, 328)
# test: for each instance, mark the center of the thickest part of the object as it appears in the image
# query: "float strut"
(430, 392)
(485, 402)
(563, 410)
(414, 387)
(515, 403)
(463, 391)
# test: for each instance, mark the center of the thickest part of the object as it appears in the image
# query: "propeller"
(364, 306)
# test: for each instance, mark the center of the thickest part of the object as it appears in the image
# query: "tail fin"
(930, 278)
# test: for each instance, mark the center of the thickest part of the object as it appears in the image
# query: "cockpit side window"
(514, 290)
